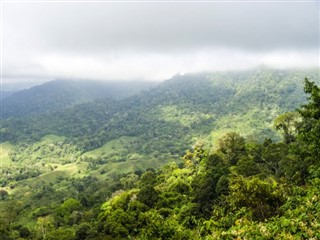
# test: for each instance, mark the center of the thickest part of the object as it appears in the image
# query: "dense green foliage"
(241, 190)
(174, 112)
(237, 187)
(60, 94)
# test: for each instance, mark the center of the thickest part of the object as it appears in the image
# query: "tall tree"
(287, 124)
(309, 130)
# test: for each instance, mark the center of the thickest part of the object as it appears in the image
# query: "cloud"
(155, 40)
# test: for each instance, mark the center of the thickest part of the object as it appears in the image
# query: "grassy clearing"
(120, 160)
(76, 170)
(112, 150)
(51, 138)
(5, 149)
(110, 170)
(73, 170)
(256, 123)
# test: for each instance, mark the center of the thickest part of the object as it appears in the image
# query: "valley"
(73, 167)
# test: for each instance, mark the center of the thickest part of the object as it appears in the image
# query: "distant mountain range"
(59, 94)
(170, 115)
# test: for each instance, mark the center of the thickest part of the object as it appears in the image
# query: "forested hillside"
(200, 156)
(197, 100)
(59, 94)
(173, 113)
(241, 190)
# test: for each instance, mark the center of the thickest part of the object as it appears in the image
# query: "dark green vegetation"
(173, 112)
(60, 94)
(89, 172)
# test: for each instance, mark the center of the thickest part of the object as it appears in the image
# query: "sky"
(153, 40)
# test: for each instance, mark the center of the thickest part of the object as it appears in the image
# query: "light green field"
(76, 170)
(118, 168)
(50, 138)
(73, 170)
(5, 149)
(119, 159)
(117, 155)
(112, 150)
(248, 124)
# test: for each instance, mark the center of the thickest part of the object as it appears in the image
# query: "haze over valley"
(159, 120)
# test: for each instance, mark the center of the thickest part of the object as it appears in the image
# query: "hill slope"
(170, 115)
(241, 189)
(59, 94)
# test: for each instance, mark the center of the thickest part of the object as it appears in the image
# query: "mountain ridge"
(59, 94)
(101, 165)
(201, 102)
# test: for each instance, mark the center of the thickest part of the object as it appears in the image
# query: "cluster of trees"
(241, 189)
(32, 160)
(219, 98)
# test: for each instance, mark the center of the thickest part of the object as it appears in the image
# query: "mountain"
(59, 94)
(194, 157)
(174, 112)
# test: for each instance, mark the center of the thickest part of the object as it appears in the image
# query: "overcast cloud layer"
(154, 40)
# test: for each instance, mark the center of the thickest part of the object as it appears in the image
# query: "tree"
(84, 231)
(232, 145)
(148, 195)
(309, 130)
(262, 197)
(3, 194)
(147, 179)
(9, 212)
(204, 184)
(64, 213)
(44, 224)
(287, 124)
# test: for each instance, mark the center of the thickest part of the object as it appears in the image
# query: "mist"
(154, 40)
